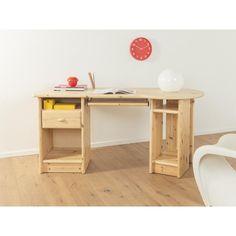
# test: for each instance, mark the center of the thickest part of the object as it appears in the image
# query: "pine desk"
(65, 134)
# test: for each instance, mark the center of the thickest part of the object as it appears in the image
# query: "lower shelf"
(63, 160)
(167, 160)
(166, 164)
(63, 155)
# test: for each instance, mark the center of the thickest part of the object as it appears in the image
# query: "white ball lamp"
(170, 81)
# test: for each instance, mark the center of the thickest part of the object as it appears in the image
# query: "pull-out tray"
(118, 102)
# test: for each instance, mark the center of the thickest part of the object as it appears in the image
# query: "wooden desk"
(65, 134)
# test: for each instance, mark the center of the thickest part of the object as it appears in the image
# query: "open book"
(114, 91)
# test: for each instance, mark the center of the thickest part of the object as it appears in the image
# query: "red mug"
(72, 81)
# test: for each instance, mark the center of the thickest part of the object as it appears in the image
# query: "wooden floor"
(117, 176)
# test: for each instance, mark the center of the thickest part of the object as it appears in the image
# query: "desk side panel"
(45, 138)
(183, 140)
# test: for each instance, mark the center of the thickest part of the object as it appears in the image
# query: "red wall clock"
(141, 48)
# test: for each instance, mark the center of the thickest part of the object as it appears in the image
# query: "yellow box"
(65, 106)
(48, 104)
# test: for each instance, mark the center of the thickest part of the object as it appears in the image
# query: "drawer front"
(61, 119)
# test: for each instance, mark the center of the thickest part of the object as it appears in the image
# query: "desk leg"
(183, 134)
(155, 143)
(191, 131)
(45, 139)
(85, 137)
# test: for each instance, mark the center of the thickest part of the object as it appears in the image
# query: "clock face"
(140, 48)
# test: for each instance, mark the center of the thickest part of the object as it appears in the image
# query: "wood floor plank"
(24, 171)
(9, 192)
(129, 191)
(117, 176)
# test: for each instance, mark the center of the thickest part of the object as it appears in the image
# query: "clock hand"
(138, 47)
(146, 46)
(141, 48)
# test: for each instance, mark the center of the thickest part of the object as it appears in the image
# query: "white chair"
(215, 177)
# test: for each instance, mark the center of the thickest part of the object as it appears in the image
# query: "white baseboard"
(118, 142)
(215, 131)
(23, 152)
(34, 151)
(26, 152)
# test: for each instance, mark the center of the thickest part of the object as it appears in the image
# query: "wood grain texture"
(85, 134)
(117, 102)
(171, 133)
(63, 140)
(191, 131)
(45, 139)
(171, 128)
(156, 124)
(117, 176)
(61, 119)
(183, 134)
(75, 119)
(148, 93)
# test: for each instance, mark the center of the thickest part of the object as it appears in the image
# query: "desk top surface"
(149, 93)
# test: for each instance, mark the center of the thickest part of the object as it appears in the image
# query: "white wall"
(31, 61)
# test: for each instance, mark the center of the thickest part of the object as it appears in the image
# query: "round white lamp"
(170, 81)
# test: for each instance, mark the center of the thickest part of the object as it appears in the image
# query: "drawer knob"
(61, 119)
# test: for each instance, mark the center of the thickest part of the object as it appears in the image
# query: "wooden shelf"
(167, 109)
(63, 155)
(54, 110)
(76, 101)
(118, 102)
(168, 160)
